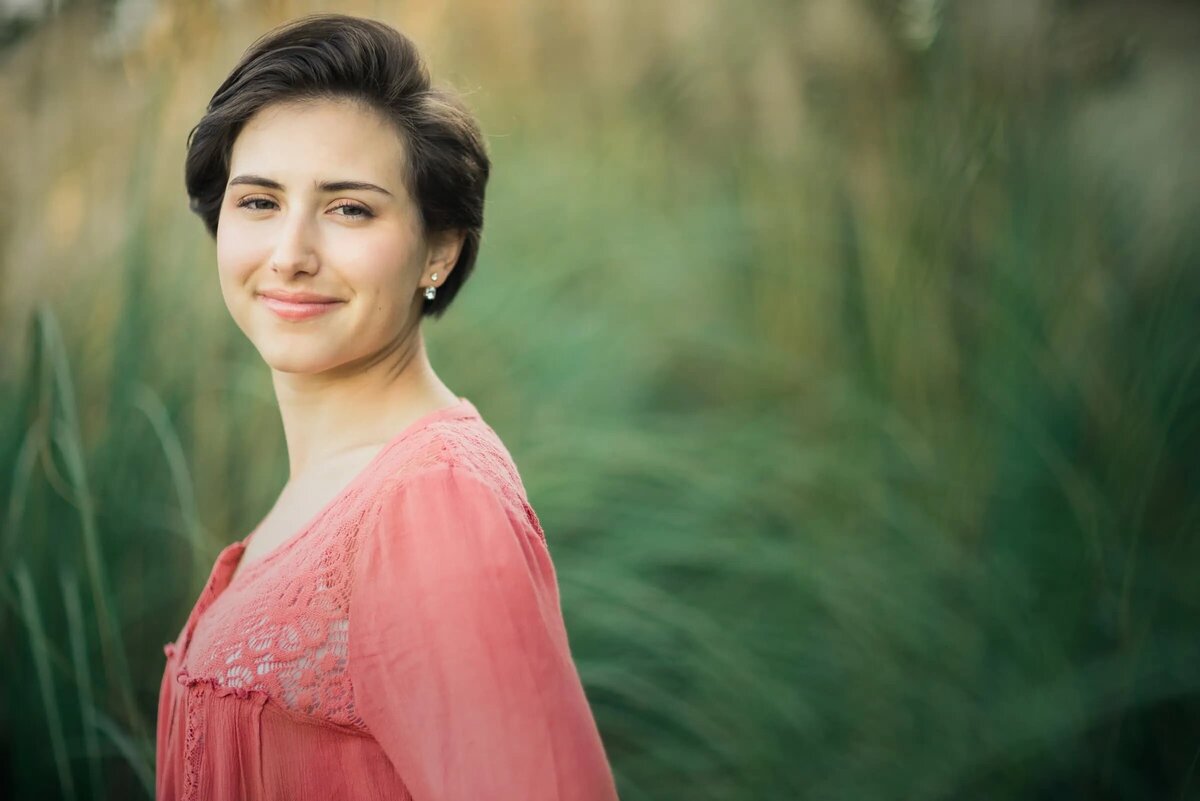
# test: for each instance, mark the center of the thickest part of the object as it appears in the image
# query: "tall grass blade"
(67, 436)
(83, 678)
(143, 767)
(150, 405)
(37, 643)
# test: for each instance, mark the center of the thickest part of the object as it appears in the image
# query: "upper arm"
(458, 655)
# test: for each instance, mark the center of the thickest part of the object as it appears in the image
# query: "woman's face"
(291, 222)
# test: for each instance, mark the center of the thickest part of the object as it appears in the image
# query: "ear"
(444, 247)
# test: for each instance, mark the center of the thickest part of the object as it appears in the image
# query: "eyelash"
(365, 212)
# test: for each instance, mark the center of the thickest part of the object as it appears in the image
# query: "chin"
(281, 357)
(293, 368)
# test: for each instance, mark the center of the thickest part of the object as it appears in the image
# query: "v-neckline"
(238, 569)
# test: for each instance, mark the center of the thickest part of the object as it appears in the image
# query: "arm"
(458, 654)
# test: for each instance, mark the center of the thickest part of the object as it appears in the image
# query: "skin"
(350, 380)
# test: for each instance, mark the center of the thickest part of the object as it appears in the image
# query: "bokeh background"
(847, 348)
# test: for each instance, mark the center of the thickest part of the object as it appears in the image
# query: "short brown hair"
(335, 56)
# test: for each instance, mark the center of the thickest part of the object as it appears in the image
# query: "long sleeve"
(459, 658)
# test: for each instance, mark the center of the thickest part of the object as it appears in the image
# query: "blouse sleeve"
(459, 658)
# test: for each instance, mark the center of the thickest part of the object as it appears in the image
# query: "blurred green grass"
(856, 395)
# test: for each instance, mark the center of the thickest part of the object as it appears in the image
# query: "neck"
(356, 407)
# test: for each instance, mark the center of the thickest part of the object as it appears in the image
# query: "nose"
(294, 249)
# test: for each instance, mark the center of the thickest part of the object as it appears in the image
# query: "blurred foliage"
(847, 350)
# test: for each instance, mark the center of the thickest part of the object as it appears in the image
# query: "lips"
(298, 306)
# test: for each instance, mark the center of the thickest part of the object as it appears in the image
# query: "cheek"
(236, 251)
(383, 263)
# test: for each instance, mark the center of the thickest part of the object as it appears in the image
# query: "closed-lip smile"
(297, 305)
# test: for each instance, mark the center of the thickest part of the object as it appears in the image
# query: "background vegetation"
(848, 349)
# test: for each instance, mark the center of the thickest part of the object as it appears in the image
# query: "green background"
(847, 348)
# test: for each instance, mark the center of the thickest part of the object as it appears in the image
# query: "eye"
(361, 212)
(245, 203)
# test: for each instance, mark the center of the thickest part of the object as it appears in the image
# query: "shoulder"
(460, 459)
(464, 446)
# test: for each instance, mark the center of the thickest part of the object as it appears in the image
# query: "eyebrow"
(327, 186)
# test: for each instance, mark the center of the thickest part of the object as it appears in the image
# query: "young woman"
(392, 627)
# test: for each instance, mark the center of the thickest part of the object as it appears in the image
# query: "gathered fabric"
(406, 643)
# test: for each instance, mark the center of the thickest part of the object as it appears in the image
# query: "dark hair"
(334, 56)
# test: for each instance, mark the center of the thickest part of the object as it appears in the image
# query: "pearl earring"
(431, 291)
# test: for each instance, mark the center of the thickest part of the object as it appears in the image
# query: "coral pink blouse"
(407, 643)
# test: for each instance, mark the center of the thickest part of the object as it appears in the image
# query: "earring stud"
(431, 291)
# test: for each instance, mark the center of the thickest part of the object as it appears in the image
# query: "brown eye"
(360, 212)
(245, 203)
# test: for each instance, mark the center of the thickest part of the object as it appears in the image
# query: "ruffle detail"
(220, 690)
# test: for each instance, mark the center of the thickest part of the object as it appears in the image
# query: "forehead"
(336, 139)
